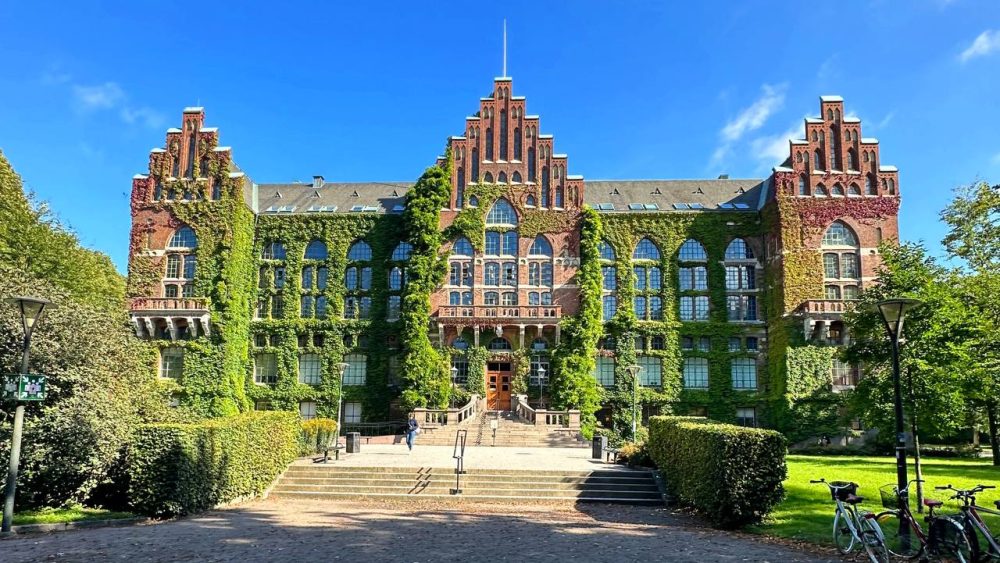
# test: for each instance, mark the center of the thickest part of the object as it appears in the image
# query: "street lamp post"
(31, 309)
(454, 377)
(541, 386)
(634, 370)
(341, 368)
(893, 311)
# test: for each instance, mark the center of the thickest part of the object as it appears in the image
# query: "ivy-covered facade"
(499, 273)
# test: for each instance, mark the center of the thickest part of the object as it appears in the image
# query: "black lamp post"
(31, 309)
(893, 311)
(634, 370)
(541, 386)
(454, 378)
(341, 368)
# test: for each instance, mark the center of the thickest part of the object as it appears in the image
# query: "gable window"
(502, 213)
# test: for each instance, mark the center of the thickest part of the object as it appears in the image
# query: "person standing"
(412, 429)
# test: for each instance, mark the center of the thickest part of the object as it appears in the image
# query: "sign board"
(24, 387)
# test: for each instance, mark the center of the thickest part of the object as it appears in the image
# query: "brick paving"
(303, 531)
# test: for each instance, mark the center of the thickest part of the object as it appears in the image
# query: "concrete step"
(474, 483)
(470, 488)
(470, 498)
(329, 470)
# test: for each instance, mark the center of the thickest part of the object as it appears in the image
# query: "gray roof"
(340, 197)
(607, 196)
(673, 195)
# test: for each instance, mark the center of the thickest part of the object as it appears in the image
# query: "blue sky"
(369, 91)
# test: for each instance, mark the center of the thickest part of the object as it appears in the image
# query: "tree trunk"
(991, 412)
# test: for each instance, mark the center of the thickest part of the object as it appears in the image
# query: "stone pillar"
(440, 335)
(557, 334)
(573, 419)
(172, 325)
(521, 335)
(475, 336)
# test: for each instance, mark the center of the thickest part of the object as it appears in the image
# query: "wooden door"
(498, 382)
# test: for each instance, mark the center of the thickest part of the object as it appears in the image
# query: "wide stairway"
(333, 482)
(510, 432)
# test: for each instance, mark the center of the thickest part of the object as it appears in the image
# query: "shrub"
(316, 434)
(729, 474)
(635, 453)
(183, 468)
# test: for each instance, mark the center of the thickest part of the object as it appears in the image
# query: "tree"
(936, 347)
(973, 218)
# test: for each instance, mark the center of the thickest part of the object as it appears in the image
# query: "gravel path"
(303, 530)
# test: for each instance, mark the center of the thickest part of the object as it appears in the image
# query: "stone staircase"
(511, 432)
(621, 486)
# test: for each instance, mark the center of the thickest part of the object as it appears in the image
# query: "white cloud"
(987, 42)
(773, 149)
(829, 70)
(885, 120)
(754, 116)
(996, 158)
(102, 96)
(149, 117)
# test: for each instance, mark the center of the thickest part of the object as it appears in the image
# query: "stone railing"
(819, 306)
(168, 304)
(500, 312)
(544, 417)
(449, 416)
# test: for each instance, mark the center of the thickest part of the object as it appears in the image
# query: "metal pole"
(901, 480)
(340, 407)
(916, 442)
(635, 387)
(15, 451)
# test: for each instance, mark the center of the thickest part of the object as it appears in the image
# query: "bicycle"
(974, 524)
(851, 526)
(905, 538)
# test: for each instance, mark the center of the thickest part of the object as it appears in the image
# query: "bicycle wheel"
(948, 542)
(900, 539)
(872, 540)
(843, 537)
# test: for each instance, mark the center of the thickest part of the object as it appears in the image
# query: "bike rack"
(459, 455)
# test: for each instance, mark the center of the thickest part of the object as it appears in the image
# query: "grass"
(64, 515)
(807, 511)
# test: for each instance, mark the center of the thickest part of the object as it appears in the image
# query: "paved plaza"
(281, 530)
(476, 457)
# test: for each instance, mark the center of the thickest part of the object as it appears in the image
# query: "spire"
(504, 48)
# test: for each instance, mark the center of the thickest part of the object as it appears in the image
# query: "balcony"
(824, 306)
(174, 318)
(529, 314)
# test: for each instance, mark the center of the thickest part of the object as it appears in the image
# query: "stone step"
(467, 488)
(471, 498)
(649, 486)
(326, 470)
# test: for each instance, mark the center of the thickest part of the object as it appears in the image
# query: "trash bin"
(600, 443)
(353, 442)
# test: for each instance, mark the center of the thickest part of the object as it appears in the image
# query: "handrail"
(470, 410)
(168, 304)
(459, 454)
(524, 411)
(444, 417)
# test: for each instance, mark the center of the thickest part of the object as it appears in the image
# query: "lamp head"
(342, 367)
(454, 372)
(31, 309)
(633, 369)
(893, 312)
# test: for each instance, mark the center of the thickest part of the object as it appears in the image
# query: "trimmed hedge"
(177, 469)
(729, 474)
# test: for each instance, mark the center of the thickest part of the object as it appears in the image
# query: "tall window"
(647, 303)
(310, 369)
(744, 373)
(397, 278)
(610, 279)
(181, 264)
(693, 279)
(696, 373)
(546, 187)
(357, 369)
(358, 281)
(352, 413)
(271, 281)
(172, 362)
(741, 281)
(265, 369)
(651, 373)
(841, 262)
(803, 185)
(313, 302)
(604, 371)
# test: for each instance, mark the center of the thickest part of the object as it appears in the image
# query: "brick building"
(253, 294)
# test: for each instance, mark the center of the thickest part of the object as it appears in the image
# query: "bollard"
(600, 443)
(353, 442)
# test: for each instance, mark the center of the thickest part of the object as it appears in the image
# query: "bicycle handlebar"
(966, 492)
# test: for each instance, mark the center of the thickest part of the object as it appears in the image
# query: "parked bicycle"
(904, 536)
(976, 531)
(853, 527)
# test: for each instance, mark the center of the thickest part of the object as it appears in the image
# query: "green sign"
(24, 387)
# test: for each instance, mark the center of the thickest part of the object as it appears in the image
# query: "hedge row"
(729, 474)
(178, 469)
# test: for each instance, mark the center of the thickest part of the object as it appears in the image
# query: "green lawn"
(807, 511)
(63, 515)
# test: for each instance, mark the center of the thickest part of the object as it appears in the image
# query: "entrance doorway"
(498, 379)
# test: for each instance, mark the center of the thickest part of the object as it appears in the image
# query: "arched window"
(829, 115)
(646, 250)
(460, 343)
(838, 189)
(517, 143)
(864, 155)
(488, 177)
(475, 164)
(402, 252)
(815, 136)
(489, 143)
(559, 197)
(546, 190)
(529, 201)
(692, 251)
(540, 247)
(503, 134)
(502, 213)
(798, 156)
(803, 185)
(839, 234)
(460, 190)
(606, 251)
(502, 178)
(853, 189)
(273, 250)
(183, 237)
(821, 189)
(539, 344)
(738, 249)
(396, 278)
(316, 251)
(531, 164)
(817, 160)
(852, 160)
(473, 201)
(892, 186)
(462, 247)
(360, 251)
(515, 177)
(500, 344)
(870, 187)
